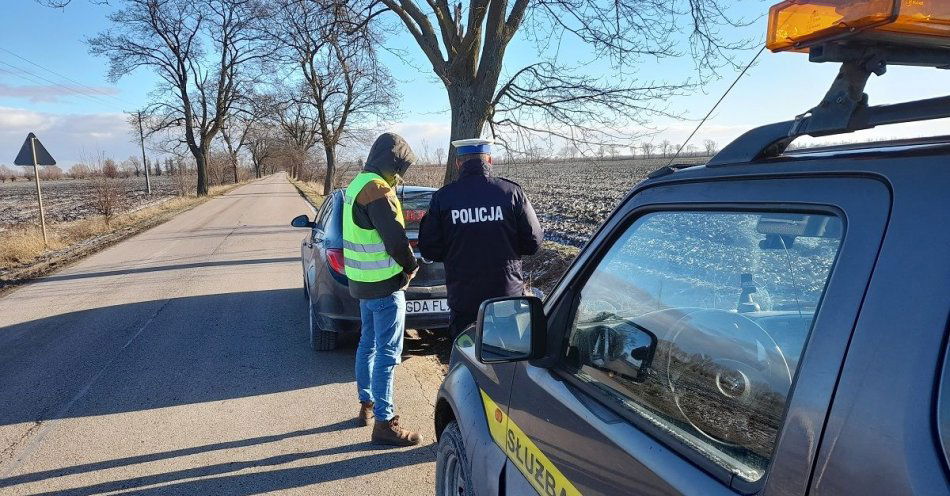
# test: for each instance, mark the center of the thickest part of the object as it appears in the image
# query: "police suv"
(770, 322)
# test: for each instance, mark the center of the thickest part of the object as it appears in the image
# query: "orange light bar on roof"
(799, 24)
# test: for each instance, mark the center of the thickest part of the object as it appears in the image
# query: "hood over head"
(389, 156)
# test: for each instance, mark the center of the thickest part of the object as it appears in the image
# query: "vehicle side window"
(321, 218)
(695, 323)
(333, 217)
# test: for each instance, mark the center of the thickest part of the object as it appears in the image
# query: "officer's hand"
(412, 274)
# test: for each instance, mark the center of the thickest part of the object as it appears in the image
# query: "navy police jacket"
(480, 226)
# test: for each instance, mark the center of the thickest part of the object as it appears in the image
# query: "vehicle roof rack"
(844, 108)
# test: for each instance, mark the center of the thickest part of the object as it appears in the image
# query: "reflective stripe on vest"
(364, 248)
(364, 255)
(369, 265)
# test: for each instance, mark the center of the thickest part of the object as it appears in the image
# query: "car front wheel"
(320, 340)
(452, 471)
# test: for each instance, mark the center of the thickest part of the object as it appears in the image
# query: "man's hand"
(409, 277)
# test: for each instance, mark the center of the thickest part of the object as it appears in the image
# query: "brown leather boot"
(392, 434)
(366, 413)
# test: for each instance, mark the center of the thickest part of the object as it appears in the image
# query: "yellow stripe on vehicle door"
(524, 454)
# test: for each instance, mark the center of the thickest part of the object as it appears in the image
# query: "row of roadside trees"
(291, 83)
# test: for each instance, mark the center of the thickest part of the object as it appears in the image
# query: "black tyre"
(320, 340)
(453, 473)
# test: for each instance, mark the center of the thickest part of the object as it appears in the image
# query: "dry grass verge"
(23, 256)
(311, 191)
(544, 269)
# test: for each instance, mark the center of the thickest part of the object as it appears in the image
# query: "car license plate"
(427, 306)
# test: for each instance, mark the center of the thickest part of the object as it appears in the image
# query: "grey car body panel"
(861, 416)
(883, 419)
(459, 399)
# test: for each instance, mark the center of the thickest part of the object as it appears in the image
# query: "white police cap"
(472, 146)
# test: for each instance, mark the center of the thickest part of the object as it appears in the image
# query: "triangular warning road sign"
(25, 157)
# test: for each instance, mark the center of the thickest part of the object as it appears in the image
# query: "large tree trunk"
(470, 111)
(331, 168)
(234, 162)
(201, 163)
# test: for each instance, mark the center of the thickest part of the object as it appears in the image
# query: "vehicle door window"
(693, 323)
(320, 220)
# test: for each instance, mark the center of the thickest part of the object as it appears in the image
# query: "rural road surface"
(177, 362)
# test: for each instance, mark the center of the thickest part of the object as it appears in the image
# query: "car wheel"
(452, 471)
(320, 340)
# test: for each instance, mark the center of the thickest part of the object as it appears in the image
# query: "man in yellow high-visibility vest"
(379, 264)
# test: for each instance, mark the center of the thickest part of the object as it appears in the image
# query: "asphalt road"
(177, 362)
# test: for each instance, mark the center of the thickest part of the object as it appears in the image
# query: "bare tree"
(299, 124)
(466, 48)
(132, 165)
(665, 147)
(107, 168)
(261, 144)
(345, 81)
(201, 50)
(236, 134)
(710, 147)
(648, 148)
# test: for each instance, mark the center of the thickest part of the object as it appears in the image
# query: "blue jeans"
(380, 350)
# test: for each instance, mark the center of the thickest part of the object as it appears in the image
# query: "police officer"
(479, 226)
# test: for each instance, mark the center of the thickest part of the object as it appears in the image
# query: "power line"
(95, 90)
(91, 97)
(713, 109)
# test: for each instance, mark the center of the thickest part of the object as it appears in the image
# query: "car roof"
(403, 189)
(887, 160)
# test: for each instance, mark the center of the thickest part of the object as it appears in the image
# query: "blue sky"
(72, 126)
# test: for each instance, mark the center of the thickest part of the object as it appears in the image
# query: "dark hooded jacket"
(480, 226)
(376, 208)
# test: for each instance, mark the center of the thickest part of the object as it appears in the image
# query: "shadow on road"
(160, 268)
(162, 353)
(428, 342)
(214, 482)
(152, 457)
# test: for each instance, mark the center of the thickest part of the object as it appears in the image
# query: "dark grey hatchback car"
(771, 322)
(332, 309)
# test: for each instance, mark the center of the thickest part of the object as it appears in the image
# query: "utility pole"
(148, 182)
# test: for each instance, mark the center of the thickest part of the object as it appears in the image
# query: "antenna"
(714, 107)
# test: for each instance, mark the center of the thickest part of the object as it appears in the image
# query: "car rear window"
(414, 207)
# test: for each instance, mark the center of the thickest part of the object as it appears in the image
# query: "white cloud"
(68, 137)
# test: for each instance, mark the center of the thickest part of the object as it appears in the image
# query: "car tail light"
(798, 24)
(335, 259)
(413, 215)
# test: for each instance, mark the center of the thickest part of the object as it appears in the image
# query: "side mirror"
(302, 221)
(510, 329)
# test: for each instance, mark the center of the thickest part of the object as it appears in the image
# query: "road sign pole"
(148, 183)
(39, 192)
